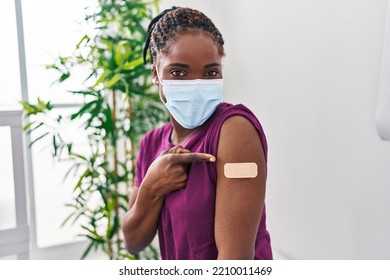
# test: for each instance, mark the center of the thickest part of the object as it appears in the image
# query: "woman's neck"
(179, 134)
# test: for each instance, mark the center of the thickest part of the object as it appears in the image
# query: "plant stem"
(109, 246)
(114, 118)
(132, 147)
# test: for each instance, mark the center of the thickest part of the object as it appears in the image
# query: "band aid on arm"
(240, 170)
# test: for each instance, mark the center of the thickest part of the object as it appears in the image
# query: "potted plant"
(119, 106)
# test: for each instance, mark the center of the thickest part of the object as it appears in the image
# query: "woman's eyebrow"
(211, 65)
(179, 65)
(182, 65)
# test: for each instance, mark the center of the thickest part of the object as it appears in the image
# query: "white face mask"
(192, 102)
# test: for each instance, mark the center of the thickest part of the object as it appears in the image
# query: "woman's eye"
(212, 73)
(177, 73)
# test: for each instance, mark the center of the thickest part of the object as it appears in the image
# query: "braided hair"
(168, 24)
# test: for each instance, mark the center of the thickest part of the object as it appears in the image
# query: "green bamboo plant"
(120, 105)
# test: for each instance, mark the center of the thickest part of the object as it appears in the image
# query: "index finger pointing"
(192, 157)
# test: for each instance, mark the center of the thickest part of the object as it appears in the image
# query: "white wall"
(310, 71)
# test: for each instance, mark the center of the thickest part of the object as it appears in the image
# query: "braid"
(164, 27)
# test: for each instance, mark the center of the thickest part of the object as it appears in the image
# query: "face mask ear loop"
(158, 77)
(161, 83)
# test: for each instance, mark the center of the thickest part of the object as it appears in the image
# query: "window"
(49, 32)
(51, 28)
(52, 192)
(14, 234)
(9, 68)
(7, 197)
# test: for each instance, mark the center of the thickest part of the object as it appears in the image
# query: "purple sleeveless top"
(186, 226)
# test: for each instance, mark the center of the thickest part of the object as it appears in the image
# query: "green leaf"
(34, 128)
(102, 77)
(108, 43)
(84, 92)
(86, 252)
(115, 227)
(85, 37)
(30, 109)
(83, 109)
(64, 77)
(66, 220)
(27, 126)
(74, 167)
(41, 104)
(55, 145)
(113, 81)
(120, 53)
(69, 146)
(132, 64)
(93, 232)
(37, 139)
(70, 205)
(80, 181)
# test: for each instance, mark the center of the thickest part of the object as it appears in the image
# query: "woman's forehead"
(192, 48)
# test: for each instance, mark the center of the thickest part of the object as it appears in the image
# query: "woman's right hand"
(168, 172)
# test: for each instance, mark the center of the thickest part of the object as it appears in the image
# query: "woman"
(182, 190)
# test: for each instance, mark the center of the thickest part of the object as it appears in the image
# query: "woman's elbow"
(133, 250)
(133, 241)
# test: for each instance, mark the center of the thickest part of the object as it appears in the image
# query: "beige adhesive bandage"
(240, 170)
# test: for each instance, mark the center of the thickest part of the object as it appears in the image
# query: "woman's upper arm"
(133, 196)
(239, 202)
